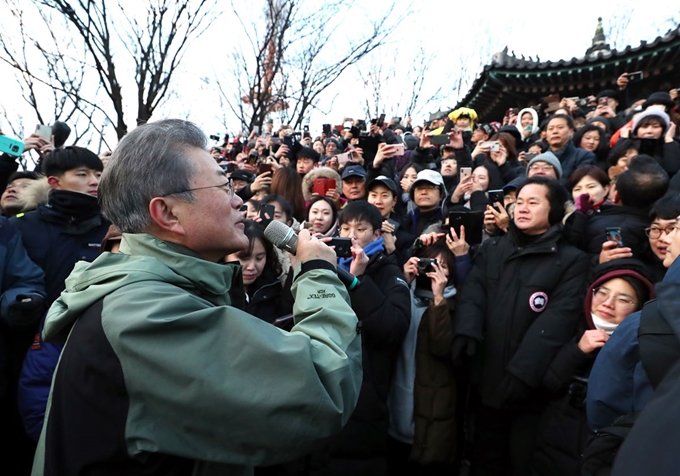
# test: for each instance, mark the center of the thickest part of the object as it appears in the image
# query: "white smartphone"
(400, 149)
(44, 131)
(344, 158)
(465, 172)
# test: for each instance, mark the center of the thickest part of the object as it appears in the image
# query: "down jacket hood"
(319, 172)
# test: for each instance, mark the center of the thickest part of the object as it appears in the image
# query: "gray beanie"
(549, 158)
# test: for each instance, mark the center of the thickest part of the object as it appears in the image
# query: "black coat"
(383, 305)
(632, 222)
(267, 301)
(56, 241)
(521, 302)
(573, 158)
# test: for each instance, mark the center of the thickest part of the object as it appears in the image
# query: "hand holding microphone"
(310, 247)
(306, 247)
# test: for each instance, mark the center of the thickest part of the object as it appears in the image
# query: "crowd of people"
(511, 280)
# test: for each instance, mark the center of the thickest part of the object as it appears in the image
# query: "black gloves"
(463, 346)
(26, 310)
(578, 391)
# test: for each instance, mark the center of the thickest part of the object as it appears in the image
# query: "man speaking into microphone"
(162, 373)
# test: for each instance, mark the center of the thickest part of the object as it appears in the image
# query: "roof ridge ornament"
(599, 45)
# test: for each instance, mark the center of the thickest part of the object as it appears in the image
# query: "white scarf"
(603, 325)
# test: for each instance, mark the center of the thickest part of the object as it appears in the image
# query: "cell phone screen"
(614, 234)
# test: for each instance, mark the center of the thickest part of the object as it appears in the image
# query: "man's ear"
(163, 214)
(377, 233)
(54, 182)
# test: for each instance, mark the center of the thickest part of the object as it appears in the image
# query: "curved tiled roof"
(529, 80)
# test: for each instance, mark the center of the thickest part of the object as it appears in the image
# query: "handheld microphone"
(285, 238)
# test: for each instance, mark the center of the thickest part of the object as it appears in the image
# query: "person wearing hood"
(617, 290)
(520, 306)
(527, 124)
(19, 196)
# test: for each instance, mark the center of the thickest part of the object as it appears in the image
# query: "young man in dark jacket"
(383, 305)
(520, 304)
(68, 229)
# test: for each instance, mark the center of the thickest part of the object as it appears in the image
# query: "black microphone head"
(281, 236)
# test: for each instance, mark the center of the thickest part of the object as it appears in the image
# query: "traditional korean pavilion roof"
(510, 81)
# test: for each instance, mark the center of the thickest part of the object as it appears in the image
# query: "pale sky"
(460, 35)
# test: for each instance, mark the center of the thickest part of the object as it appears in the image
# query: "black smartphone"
(284, 322)
(448, 127)
(381, 120)
(327, 130)
(472, 220)
(496, 196)
(425, 265)
(529, 155)
(228, 168)
(394, 223)
(343, 247)
(269, 210)
(439, 139)
(244, 208)
(636, 76)
(614, 234)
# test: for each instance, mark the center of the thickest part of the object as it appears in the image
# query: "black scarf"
(74, 206)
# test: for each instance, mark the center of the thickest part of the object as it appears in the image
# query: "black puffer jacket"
(383, 305)
(521, 302)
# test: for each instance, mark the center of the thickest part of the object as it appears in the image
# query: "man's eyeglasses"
(544, 167)
(655, 232)
(601, 295)
(228, 186)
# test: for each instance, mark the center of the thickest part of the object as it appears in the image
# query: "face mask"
(603, 325)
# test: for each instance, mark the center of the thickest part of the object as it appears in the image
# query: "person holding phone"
(382, 303)
(426, 433)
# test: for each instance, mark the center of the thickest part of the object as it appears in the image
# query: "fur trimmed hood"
(36, 193)
(319, 172)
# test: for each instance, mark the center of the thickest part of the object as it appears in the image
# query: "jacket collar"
(214, 281)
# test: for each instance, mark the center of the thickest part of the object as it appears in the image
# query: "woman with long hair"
(260, 272)
(288, 183)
